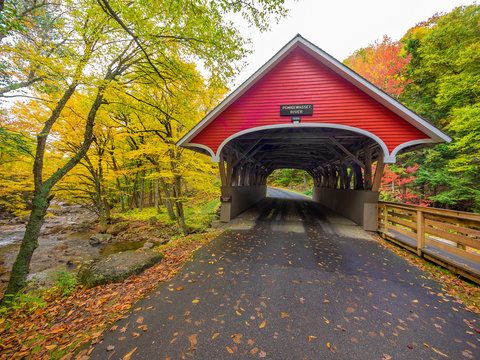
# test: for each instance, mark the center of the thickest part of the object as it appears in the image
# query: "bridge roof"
(348, 111)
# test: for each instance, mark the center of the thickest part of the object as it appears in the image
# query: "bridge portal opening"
(296, 180)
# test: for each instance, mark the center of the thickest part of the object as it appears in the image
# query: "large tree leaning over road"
(109, 42)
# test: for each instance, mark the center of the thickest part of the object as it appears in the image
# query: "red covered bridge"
(305, 110)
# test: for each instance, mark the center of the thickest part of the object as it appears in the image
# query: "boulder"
(148, 245)
(117, 228)
(100, 239)
(117, 267)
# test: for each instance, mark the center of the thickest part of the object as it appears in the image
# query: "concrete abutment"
(360, 206)
(236, 199)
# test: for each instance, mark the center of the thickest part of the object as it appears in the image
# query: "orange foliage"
(67, 323)
(383, 64)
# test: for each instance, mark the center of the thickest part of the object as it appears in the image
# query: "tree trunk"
(133, 200)
(107, 208)
(120, 195)
(42, 198)
(168, 199)
(21, 266)
(142, 188)
(157, 197)
(177, 187)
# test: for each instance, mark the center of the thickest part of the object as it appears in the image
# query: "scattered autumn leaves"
(467, 293)
(66, 324)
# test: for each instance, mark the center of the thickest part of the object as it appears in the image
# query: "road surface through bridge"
(293, 281)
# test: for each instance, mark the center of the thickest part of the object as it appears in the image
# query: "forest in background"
(122, 89)
(435, 71)
(132, 162)
(104, 94)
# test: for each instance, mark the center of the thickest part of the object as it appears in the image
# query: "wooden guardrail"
(449, 238)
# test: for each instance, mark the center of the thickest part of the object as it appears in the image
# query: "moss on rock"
(117, 267)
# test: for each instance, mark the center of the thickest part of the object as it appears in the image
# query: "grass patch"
(198, 214)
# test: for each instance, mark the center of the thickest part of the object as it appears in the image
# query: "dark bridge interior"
(335, 158)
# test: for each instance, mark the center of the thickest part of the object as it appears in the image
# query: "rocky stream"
(69, 238)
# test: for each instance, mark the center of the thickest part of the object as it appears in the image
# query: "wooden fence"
(449, 238)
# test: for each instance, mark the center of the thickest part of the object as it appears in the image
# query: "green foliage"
(28, 301)
(198, 214)
(65, 282)
(291, 178)
(35, 298)
(13, 144)
(442, 84)
(445, 88)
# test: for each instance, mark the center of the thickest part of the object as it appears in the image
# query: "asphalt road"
(293, 281)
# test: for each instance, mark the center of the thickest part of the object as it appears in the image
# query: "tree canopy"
(108, 87)
(439, 63)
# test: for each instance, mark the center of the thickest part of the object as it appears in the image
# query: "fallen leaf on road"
(124, 329)
(285, 314)
(237, 338)
(215, 335)
(262, 325)
(262, 354)
(129, 354)
(439, 352)
(193, 340)
(229, 350)
(110, 347)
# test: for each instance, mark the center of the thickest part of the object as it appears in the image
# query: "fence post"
(385, 220)
(420, 232)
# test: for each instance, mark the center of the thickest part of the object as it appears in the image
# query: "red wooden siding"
(301, 79)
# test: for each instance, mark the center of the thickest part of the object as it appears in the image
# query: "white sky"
(340, 27)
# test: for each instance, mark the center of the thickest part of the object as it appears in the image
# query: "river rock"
(148, 245)
(117, 267)
(97, 239)
(117, 228)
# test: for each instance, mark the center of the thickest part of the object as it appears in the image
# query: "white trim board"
(388, 157)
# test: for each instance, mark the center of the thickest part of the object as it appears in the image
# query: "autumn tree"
(112, 44)
(383, 64)
(32, 44)
(445, 89)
